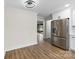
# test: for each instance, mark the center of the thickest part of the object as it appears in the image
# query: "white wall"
(40, 18)
(67, 13)
(20, 28)
(48, 20)
(63, 14)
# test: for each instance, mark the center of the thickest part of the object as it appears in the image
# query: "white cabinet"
(40, 37)
(48, 29)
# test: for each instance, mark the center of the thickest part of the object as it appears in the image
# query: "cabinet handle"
(73, 37)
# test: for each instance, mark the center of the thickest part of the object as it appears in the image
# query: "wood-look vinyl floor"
(41, 51)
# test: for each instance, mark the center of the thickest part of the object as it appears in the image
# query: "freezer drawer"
(60, 42)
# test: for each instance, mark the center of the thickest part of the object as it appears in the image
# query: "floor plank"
(40, 51)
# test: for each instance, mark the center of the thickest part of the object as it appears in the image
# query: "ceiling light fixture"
(67, 5)
(30, 3)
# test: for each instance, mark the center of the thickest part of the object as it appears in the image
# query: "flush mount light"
(30, 3)
(67, 5)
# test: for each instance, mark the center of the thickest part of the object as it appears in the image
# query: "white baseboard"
(20, 47)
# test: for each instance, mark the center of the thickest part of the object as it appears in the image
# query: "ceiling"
(44, 8)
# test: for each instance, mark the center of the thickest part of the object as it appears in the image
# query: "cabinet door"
(55, 41)
(58, 28)
(60, 42)
(53, 27)
(62, 28)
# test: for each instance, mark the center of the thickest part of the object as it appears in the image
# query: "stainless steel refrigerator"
(60, 33)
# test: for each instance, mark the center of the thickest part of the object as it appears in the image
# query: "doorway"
(40, 31)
